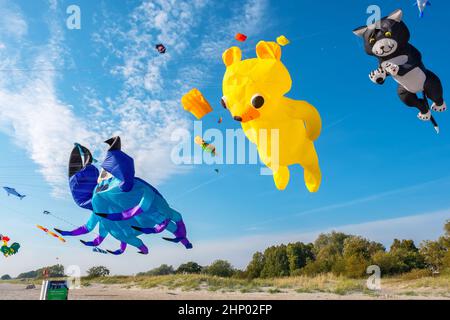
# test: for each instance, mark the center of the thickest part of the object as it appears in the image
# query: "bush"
(97, 272)
(162, 270)
(220, 268)
(417, 274)
(388, 263)
(255, 266)
(408, 255)
(299, 254)
(189, 267)
(276, 262)
(6, 277)
(434, 253)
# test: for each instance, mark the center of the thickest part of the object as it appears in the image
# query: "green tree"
(98, 271)
(189, 267)
(255, 266)
(299, 254)
(6, 277)
(356, 256)
(434, 253)
(276, 262)
(389, 263)
(408, 255)
(162, 270)
(328, 250)
(437, 253)
(28, 275)
(220, 268)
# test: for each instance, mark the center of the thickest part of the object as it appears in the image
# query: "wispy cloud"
(146, 107)
(31, 111)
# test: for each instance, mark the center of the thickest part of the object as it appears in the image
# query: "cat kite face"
(385, 37)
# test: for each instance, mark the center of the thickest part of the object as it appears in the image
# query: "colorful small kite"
(9, 251)
(195, 103)
(282, 41)
(98, 250)
(205, 145)
(160, 47)
(220, 120)
(240, 37)
(51, 233)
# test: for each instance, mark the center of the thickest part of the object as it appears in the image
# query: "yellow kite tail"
(306, 112)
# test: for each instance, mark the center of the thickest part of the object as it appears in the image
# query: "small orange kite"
(195, 103)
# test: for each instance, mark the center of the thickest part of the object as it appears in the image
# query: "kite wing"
(82, 176)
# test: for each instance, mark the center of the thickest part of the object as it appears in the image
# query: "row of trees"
(220, 268)
(349, 255)
(52, 272)
(335, 252)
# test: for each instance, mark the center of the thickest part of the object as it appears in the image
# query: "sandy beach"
(9, 291)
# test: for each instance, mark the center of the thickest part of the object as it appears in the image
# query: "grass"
(413, 284)
(191, 282)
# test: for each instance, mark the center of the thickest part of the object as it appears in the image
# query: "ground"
(199, 287)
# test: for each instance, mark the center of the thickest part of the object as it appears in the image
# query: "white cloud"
(145, 110)
(31, 112)
(12, 23)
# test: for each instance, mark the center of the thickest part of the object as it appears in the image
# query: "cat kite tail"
(388, 41)
(421, 5)
(254, 93)
(123, 205)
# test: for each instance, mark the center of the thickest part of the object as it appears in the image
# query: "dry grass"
(413, 284)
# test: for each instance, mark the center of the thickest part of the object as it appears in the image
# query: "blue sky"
(385, 172)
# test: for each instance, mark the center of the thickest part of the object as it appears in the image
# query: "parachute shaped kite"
(240, 37)
(254, 93)
(51, 233)
(205, 146)
(195, 103)
(12, 191)
(282, 41)
(388, 41)
(123, 205)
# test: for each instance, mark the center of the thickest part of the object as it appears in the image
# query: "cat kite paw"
(391, 69)
(424, 116)
(378, 76)
(437, 108)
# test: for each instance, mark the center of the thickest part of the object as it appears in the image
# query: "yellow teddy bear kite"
(254, 92)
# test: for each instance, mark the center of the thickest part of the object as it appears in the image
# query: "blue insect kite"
(122, 204)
